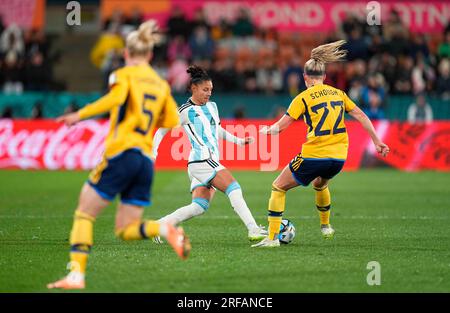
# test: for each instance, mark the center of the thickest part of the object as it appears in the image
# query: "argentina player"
(200, 119)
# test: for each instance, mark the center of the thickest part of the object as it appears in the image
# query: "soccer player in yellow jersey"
(323, 155)
(138, 102)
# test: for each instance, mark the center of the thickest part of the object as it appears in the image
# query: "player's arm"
(159, 135)
(295, 110)
(361, 117)
(224, 134)
(279, 126)
(115, 97)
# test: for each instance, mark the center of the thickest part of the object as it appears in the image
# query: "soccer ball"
(287, 231)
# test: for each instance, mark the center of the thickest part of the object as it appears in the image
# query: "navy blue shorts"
(305, 171)
(129, 174)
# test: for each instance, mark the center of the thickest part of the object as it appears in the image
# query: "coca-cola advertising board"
(45, 144)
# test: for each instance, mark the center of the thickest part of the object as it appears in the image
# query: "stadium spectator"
(199, 20)
(177, 24)
(38, 74)
(135, 19)
(223, 75)
(37, 111)
(36, 41)
(356, 45)
(12, 41)
(12, 73)
(444, 47)
(373, 91)
(290, 84)
(243, 25)
(268, 77)
(109, 41)
(422, 76)
(443, 80)
(221, 30)
(419, 47)
(177, 76)
(420, 111)
(178, 49)
(201, 44)
(403, 83)
(374, 111)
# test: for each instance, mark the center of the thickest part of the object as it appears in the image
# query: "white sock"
(240, 207)
(183, 214)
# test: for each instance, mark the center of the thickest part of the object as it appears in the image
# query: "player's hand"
(69, 119)
(265, 130)
(382, 148)
(249, 140)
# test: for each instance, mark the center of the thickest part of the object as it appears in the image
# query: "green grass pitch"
(400, 220)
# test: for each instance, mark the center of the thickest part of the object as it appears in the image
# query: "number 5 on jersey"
(148, 115)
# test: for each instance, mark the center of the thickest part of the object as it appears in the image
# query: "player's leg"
(225, 182)
(323, 205)
(277, 201)
(323, 196)
(131, 226)
(134, 196)
(90, 205)
(201, 198)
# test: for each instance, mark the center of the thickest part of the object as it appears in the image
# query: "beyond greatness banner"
(292, 15)
(44, 144)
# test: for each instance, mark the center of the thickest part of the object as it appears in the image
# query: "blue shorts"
(129, 174)
(305, 171)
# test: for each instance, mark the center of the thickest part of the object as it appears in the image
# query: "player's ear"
(324, 77)
(126, 54)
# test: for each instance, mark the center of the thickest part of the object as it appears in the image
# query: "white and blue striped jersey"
(201, 123)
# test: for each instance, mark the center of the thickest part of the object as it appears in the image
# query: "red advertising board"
(44, 144)
(293, 15)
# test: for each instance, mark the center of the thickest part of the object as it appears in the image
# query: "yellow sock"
(139, 230)
(276, 208)
(323, 204)
(81, 241)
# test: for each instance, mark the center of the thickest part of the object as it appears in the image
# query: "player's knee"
(277, 188)
(320, 184)
(201, 202)
(232, 187)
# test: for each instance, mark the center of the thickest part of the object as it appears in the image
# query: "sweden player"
(138, 102)
(323, 155)
(200, 120)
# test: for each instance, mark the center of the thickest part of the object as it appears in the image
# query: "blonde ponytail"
(141, 41)
(322, 55)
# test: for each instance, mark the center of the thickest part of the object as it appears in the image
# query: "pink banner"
(323, 16)
(44, 144)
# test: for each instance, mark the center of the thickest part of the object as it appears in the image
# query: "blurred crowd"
(240, 57)
(25, 61)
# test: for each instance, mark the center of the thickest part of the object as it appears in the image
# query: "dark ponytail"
(198, 75)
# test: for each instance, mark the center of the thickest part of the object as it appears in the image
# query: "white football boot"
(327, 231)
(267, 243)
(257, 233)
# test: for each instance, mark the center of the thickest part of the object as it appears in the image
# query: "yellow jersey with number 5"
(139, 101)
(322, 108)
